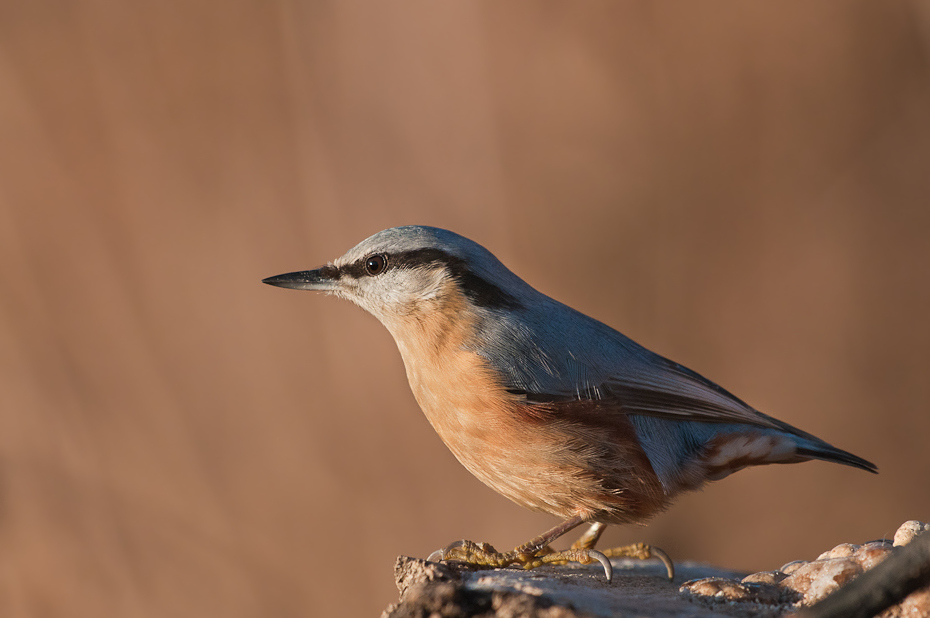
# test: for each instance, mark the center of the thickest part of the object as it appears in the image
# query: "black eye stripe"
(404, 259)
(478, 289)
(330, 272)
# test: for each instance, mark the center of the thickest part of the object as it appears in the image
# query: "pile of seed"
(804, 583)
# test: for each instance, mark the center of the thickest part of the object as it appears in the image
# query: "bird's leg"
(590, 538)
(637, 550)
(533, 553)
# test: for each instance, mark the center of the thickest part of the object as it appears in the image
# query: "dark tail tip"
(830, 453)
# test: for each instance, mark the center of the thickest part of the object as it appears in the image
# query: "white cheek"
(400, 288)
(396, 294)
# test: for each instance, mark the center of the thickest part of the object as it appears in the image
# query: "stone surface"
(908, 531)
(765, 577)
(803, 584)
(840, 551)
(729, 590)
(815, 580)
(638, 588)
(917, 605)
(454, 590)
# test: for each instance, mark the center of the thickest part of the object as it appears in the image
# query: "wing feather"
(658, 387)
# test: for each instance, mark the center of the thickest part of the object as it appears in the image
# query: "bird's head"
(400, 274)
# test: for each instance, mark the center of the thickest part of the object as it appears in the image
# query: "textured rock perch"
(437, 590)
(899, 586)
(830, 586)
(457, 590)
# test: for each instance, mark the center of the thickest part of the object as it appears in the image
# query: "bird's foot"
(641, 551)
(477, 554)
(527, 556)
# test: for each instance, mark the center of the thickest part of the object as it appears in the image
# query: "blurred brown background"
(744, 187)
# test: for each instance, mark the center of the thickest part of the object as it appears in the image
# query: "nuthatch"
(547, 406)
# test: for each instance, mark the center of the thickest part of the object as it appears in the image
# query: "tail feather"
(825, 452)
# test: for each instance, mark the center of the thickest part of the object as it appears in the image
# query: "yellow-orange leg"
(590, 538)
(530, 555)
(640, 551)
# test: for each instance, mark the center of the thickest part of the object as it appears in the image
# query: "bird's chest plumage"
(541, 462)
(462, 399)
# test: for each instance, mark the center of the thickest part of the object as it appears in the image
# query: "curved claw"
(661, 555)
(605, 562)
(437, 556)
(440, 554)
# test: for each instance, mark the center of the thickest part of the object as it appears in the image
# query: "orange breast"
(565, 461)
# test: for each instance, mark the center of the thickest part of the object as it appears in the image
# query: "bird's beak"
(321, 280)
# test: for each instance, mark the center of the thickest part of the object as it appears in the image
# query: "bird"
(549, 407)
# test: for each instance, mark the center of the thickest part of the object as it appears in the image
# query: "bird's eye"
(375, 264)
